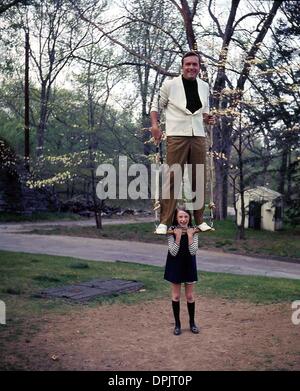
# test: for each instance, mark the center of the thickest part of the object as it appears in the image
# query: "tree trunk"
(222, 145)
(26, 104)
(289, 178)
(283, 171)
(188, 23)
(91, 124)
(241, 228)
(145, 114)
(43, 120)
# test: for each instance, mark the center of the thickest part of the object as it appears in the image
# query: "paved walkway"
(29, 225)
(144, 253)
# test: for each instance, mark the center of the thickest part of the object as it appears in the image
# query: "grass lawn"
(23, 275)
(283, 243)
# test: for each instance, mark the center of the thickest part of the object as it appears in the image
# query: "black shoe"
(194, 329)
(177, 330)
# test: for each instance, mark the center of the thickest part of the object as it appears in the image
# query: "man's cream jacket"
(179, 120)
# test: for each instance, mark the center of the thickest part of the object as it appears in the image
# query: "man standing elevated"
(185, 100)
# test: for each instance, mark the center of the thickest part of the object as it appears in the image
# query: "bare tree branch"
(194, 8)
(260, 37)
(214, 18)
(102, 65)
(125, 47)
(176, 5)
(246, 16)
(161, 29)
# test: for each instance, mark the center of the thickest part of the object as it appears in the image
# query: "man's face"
(190, 67)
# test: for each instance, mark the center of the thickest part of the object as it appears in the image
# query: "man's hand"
(209, 119)
(156, 133)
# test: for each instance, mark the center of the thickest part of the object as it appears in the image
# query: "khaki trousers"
(184, 150)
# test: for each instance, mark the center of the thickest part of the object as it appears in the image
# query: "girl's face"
(183, 218)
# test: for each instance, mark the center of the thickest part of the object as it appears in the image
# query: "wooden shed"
(264, 209)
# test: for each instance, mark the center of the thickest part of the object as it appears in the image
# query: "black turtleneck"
(193, 102)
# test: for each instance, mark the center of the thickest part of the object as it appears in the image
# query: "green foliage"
(72, 148)
(82, 113)
(254, 289)
(292, 213)
(21, 275)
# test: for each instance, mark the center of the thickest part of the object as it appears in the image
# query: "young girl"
(181, 266)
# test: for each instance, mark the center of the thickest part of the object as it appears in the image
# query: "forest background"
(82, 95)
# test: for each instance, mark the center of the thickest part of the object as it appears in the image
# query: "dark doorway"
(254, 215)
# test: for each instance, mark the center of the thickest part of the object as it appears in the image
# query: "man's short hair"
(190, 54)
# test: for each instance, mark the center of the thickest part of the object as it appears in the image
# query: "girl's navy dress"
(182, 267)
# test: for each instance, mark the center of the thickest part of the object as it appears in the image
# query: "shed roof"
(263, 192)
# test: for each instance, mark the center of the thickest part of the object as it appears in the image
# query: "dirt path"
(234, 336)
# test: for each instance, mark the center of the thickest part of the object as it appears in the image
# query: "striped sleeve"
(172, 245)
(194, 246)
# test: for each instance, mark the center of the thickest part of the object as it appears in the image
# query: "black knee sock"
(176, 312)
(191, 310)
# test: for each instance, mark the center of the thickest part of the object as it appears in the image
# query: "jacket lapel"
(180, 98)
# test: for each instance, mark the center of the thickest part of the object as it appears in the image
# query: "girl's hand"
(178, 233)
(190, 232)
